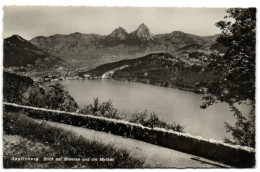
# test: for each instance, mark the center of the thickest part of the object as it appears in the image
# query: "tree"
(53, 96)
(104, 109)
(236, 71)
(14, 86)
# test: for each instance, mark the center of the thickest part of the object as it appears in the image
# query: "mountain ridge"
(92, 49)
(142, 33)
(20, 52)
(161, 69)
(119, 33)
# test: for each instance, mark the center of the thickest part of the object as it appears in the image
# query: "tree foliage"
(153, 120)
(14, 86)
(244, 130)
(237, 67)
(105, 109)
(53, 96)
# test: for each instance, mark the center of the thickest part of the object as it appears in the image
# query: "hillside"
(20, 52)
(219, 47)
(14, 86)
(193, 47)
(92, 50)
(160, 69)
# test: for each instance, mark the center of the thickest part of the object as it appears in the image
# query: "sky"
(32, 21)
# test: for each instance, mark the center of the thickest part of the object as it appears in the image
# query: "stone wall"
(235, 155)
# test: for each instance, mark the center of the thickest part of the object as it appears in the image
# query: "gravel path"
(155, 156)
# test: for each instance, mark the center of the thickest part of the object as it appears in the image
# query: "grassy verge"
(39, 140)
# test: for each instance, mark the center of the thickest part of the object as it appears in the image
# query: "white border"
(146, 3)
(139, 3)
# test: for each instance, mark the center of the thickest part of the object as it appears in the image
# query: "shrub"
(153, 121)
(23, 90)
(14, 87)
(105, 109)
(244, 130)
(53, 96)
(139, 117)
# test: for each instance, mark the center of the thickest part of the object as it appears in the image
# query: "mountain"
(142, 33)
(178, 39)
(91, 50)
(20, 52)
(67, 44)
(161, 69)
(191, 48)
(118, 36)
(119, 33)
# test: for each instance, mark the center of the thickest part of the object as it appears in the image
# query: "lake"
(171, 105)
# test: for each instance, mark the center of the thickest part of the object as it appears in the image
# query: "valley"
(174, 59)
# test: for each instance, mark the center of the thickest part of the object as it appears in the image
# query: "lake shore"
(169, 103)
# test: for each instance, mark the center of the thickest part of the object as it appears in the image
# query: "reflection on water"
(172, 105)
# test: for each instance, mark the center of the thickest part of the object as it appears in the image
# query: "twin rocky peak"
(142, 33)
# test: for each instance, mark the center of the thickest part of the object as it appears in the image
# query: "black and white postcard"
(129, 87)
